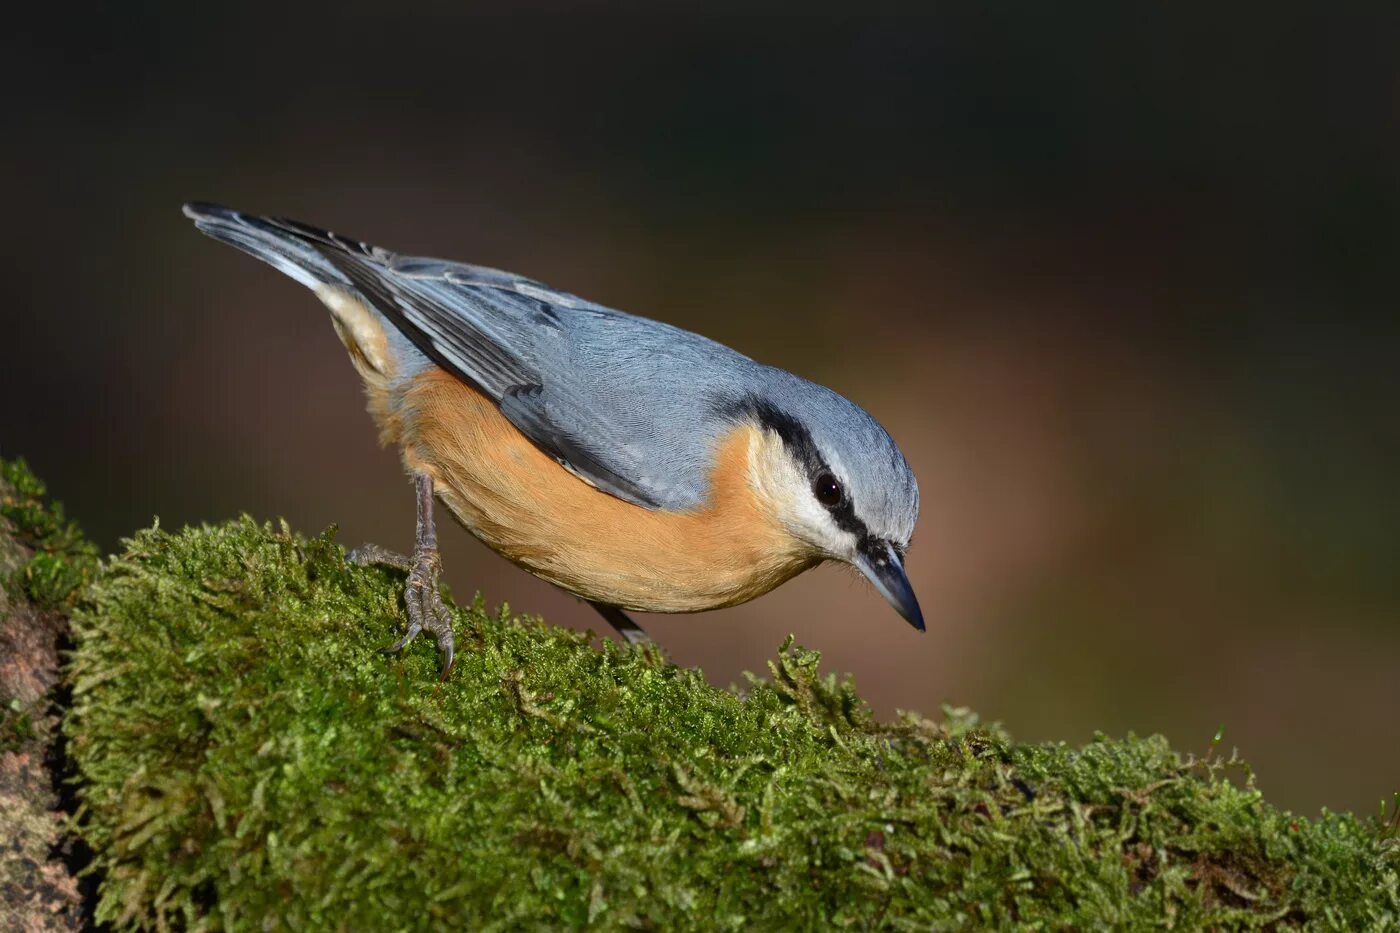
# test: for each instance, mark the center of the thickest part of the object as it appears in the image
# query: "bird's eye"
(827, 490)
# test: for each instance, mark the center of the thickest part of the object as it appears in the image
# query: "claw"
(449, 657)
(443, 634)
(398, 646)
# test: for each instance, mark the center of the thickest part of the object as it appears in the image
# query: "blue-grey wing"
(624, 402)
(641, 400)
(473, 329)
(618, 400)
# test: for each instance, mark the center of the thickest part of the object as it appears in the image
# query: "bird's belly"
(531, 510)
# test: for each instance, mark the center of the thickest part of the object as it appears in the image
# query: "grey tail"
(298, 250)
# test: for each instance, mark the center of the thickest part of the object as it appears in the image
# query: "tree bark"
(37, 890)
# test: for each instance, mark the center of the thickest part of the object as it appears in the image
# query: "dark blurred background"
(1121, 280)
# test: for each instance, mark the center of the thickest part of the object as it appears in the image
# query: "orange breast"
(528, 508)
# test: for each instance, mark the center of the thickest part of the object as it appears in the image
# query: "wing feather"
(565, 371)
(469, 320)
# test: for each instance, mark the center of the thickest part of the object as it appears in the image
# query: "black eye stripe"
(877, 550)
(793, 433)
(798, 440)
(844, 515)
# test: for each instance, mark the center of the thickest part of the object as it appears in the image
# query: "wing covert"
(566, 371)
(488, 328)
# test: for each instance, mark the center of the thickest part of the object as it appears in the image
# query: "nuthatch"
(634, 464)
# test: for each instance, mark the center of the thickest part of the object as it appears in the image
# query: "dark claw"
(449, 656)
(398, 646)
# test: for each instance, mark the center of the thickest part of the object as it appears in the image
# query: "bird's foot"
(426, 610)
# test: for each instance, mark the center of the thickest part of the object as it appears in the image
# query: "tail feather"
(461, 317)
(289, 247)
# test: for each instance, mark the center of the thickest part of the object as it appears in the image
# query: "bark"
(37, 890)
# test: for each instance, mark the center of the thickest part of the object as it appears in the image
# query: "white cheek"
(783, 489)
(773, 476)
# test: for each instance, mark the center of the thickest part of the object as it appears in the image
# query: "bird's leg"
(623, 623)
(426, 610)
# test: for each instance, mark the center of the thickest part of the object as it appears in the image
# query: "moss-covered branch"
(248, 758)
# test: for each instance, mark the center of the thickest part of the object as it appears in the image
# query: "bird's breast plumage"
(529, 508)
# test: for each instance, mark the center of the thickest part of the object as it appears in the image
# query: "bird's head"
(836, 481)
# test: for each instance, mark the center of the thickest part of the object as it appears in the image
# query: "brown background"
(1122, 284)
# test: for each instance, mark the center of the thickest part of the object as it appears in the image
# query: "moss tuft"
(63, 560)
(249, 760)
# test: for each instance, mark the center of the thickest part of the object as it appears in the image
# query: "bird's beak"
(881, 565)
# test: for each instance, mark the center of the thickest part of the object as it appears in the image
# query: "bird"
(637, 465)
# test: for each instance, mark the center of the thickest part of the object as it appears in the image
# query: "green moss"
(249, 760)
(62, 560)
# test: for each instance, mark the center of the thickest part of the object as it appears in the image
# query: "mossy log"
(247, 759)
